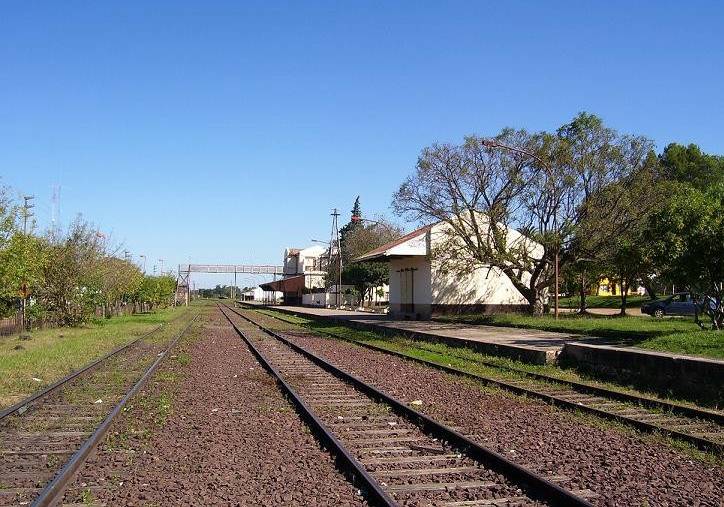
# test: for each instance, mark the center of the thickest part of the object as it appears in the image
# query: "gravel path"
(220, 433)
(622, 469)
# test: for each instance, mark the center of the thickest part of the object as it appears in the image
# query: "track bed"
(415, 461)
(226, 437)
(617, 465)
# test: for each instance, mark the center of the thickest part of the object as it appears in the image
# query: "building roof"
(288, 284)
(386, 249)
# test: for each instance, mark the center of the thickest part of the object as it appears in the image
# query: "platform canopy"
(289, 284)
(412, 244)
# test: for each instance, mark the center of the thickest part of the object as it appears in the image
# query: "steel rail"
(674, 408)
(342, 455)
(42, 392)
(534, 484)
(699, 442)
(52, 492)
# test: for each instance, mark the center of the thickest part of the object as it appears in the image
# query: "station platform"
(528, 345)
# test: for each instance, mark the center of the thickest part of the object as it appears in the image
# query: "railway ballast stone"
(230, 438)
(621, 468)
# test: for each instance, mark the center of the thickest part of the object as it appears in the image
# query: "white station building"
(421, 286)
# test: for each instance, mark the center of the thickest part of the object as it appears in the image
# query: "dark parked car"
(680, 303)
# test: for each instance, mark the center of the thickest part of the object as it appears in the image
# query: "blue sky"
(225, 131)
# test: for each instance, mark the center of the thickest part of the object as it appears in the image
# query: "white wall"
(260, 295)
(483, 286)
(325, 299)
(314, 281)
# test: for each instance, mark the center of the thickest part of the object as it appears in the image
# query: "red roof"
(380, 251)
(288, 284)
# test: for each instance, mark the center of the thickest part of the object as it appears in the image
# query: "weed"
(163, 409)
(86, 496)
(183, 358)
(168, 376)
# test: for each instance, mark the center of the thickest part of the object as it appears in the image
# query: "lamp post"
(492, 143)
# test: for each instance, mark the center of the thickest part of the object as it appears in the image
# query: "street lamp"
(144, 263)
(492, 143)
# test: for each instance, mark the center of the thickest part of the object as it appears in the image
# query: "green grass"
(602, 301)
(53, 353)
(163, 408)
(677, 335)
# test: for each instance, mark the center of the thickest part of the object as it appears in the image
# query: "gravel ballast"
(620, 467)
(212, 429)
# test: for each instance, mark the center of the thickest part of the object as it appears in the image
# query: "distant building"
(261, 295)
(610, 288)
(421, 286)
(304, 271)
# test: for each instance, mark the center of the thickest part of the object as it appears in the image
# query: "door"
(407, 290)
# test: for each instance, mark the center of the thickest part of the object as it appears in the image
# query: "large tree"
(71, 286)
(546, 186)
(686, 235)
(621, 250)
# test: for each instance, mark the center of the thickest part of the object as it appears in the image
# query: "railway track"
(45, 438)
(701, 428)
(398, 455)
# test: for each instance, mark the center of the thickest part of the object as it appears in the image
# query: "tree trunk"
(582, 308)
(624, 290)
(646, 282)
(535, 303)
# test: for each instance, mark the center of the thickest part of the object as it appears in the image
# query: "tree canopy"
(69, 275)
(547, 186)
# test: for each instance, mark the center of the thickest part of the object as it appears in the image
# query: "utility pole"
(27, 213)
(161, 261)
(335, 240)
(144, 263)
